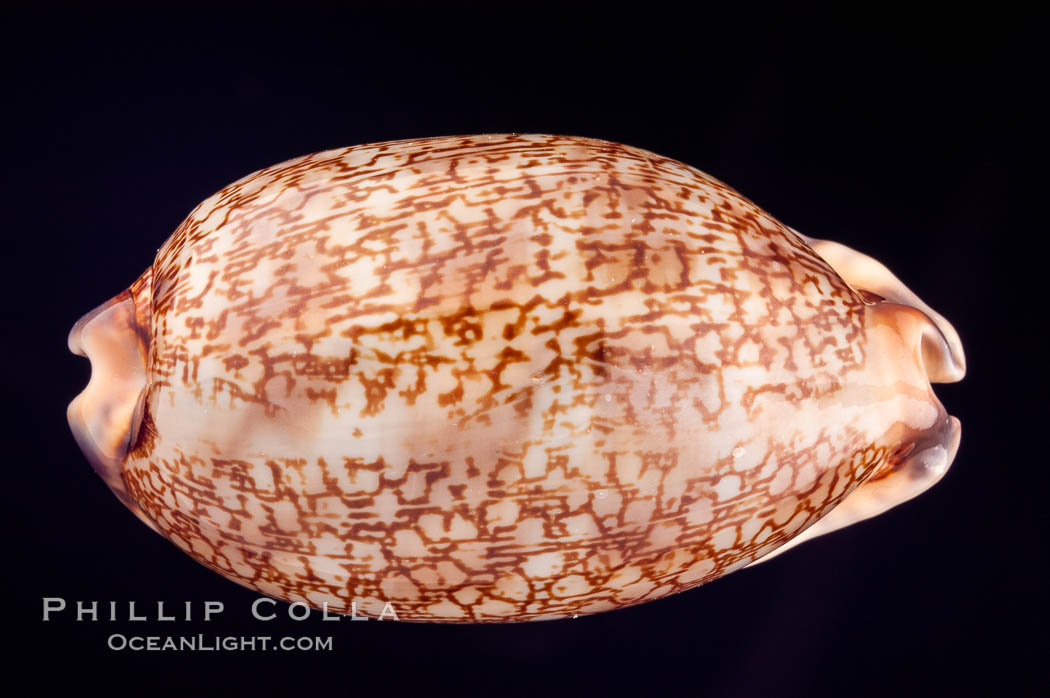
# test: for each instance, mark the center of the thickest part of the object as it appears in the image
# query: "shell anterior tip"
(941, 349)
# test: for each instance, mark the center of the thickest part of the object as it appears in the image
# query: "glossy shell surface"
(503, 377)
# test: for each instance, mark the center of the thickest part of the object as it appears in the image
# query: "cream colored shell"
(504, 377)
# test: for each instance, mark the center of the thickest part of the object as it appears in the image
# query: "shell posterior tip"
(106, 415)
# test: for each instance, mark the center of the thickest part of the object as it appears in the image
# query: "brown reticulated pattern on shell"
(493, 378)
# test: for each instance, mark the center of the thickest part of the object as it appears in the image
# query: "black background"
(905, 134)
